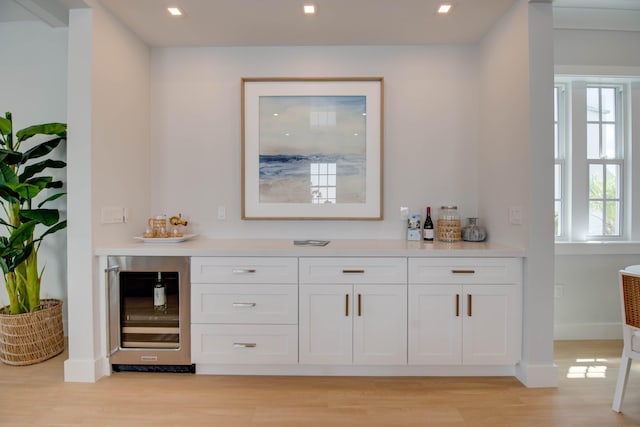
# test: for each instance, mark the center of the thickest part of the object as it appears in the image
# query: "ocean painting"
(312, 149)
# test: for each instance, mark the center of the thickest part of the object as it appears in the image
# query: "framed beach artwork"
(312, 148)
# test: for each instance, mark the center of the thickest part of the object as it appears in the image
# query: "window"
(591, 191)
(604, 159)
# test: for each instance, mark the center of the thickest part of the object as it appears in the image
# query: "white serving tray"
(165, 239)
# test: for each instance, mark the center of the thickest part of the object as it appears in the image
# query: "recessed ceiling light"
(309, 9)
(444, 8)
(175, 11)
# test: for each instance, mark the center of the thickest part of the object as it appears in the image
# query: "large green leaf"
(7, 175)
(21, 255)
(59, 226)
(30, 190)
(54, 184)
(47, 217)
(21, 234)
(7, 193)
(59, 129)
(5, 126)
(35, 168)
(4, 266)
(51, 198)
(41, 149)
(10, 157)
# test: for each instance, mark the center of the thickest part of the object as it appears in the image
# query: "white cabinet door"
(469, 325)
(325, 324)
(491, 325)
(380, 325)
(435, 324)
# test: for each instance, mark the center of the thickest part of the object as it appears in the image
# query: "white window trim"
(629, 242)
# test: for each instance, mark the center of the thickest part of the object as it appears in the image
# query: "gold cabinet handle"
(359, 305)
(347, 271)
(457, 305)
(469, 305)
(346, 305)
(244, 345)
(463, 271)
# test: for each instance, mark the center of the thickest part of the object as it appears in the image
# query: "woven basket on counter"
(33, 337)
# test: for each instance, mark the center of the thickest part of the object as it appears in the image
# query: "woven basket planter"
(30, 338)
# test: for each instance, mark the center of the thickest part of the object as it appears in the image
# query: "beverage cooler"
(148, 307)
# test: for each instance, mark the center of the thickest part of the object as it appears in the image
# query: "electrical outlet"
(515, 215)
(404, 213)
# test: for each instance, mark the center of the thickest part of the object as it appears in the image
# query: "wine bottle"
(427, 231)
(159, 295)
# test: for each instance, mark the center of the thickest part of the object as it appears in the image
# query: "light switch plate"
(112, 215)
(222, 213)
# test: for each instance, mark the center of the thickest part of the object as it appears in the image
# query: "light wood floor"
(37, 396)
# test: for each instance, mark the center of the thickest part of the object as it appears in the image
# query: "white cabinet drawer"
(244, 270)
(465, 270)
(215, 303)
(244, 344)
(353, 270)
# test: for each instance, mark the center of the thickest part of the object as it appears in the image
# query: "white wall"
(430, 140)
(589, 305)
(516, 167)
(120, 127)
(108, 165)
(34, 90)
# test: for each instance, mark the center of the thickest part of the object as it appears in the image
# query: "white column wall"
(516, 166)
(109, 167)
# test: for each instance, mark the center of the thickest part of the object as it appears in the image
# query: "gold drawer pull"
(352, 271)
(244, 304)
(243, 270)
(346, 305)
(244, 345)
(463, 271)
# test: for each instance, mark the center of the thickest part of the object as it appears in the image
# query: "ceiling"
(337, 22)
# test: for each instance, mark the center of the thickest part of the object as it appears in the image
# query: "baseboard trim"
(85, 370)
(353, 370)
(587, 331)
(537, 376)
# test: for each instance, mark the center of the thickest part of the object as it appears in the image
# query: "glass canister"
(473, 231)
(448, 227)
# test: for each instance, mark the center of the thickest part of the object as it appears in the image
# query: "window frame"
(574, 161)
(618, 160)
(561, 117)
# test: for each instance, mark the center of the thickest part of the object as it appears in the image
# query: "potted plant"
(30, 328)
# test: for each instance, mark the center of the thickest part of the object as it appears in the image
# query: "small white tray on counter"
(165, 239)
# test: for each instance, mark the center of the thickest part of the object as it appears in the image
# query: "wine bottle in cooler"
(427, 231)
(159, 295)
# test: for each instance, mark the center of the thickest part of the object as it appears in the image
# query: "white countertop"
(199, 246)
